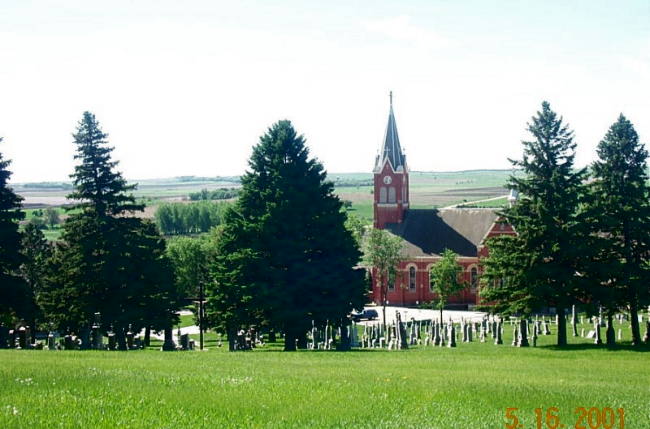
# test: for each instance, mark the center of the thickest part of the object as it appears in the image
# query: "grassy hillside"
(467, 387)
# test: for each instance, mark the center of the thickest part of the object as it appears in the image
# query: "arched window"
(412, 278)
(473, 274)
(383, 197)
(392, 198)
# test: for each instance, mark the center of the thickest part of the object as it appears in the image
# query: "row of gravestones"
(439, 334)
(88, 340)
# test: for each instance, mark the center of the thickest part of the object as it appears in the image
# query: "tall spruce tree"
(285, 254)
(538, 266)
(12, 288)
(620, 214)
(109, 261)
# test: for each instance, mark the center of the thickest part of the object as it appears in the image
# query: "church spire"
(391, 148)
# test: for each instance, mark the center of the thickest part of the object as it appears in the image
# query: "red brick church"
(426, 232)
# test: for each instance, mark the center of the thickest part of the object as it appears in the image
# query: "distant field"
(431, 189)
(427, 189)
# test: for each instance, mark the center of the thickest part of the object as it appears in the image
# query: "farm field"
(427, 190)
(423, 387)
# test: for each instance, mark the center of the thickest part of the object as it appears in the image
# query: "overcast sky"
(186, 88)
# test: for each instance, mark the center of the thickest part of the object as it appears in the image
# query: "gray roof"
(428, 232)
(391, 148)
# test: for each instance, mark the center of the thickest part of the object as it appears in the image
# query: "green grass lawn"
(466, 387)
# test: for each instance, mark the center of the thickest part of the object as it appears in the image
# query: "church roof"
(391, 148)
(428, 232)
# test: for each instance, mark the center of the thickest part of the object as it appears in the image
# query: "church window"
(383, 195)
(412, 278)
(391, 285)
(474, 277)
(392, 198)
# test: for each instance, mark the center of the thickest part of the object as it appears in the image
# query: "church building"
(426, 232)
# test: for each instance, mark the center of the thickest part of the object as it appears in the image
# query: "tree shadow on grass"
(624, 346)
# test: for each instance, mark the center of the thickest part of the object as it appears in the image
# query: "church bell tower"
(391, 180)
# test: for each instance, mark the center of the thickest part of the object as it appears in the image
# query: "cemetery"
(414, 373)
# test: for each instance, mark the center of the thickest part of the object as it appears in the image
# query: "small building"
(426, 232)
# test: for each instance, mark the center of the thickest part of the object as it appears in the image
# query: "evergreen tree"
(96, 185)
(285, 254)
(544, 256)
(12, 288)
(108, 261)
(620, 211)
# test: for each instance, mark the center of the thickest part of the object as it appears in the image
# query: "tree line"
(215, 194)
(583, 235)
(280, 260)
(193, 218)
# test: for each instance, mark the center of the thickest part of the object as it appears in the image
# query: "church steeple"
(391, 180)
(391, 149)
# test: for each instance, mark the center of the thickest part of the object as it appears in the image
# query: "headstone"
(168, 345)
(191, 344)
(547, 329)
(535, 334)
(28, 337)
(619, 334)
(112, 341)
(22, 338)
(523, 334)
(452, 336)
(436, 335)
(646, 337)
(597, 339)
(515, 335)
(185, 341)
(51, 343)
(68, 342)
(574, 320)
(610, 335)
(129, 339)
(499, 335)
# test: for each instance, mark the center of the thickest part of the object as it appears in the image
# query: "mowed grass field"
(423, 387)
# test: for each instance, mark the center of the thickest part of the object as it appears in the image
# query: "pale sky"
(186, 88)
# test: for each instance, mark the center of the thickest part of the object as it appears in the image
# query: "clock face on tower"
(388, 180)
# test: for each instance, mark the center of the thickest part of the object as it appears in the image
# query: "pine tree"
(97, 185)
(286, 256)
(621, 218)
(12, 288)
(539, 265)
(108, 261)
